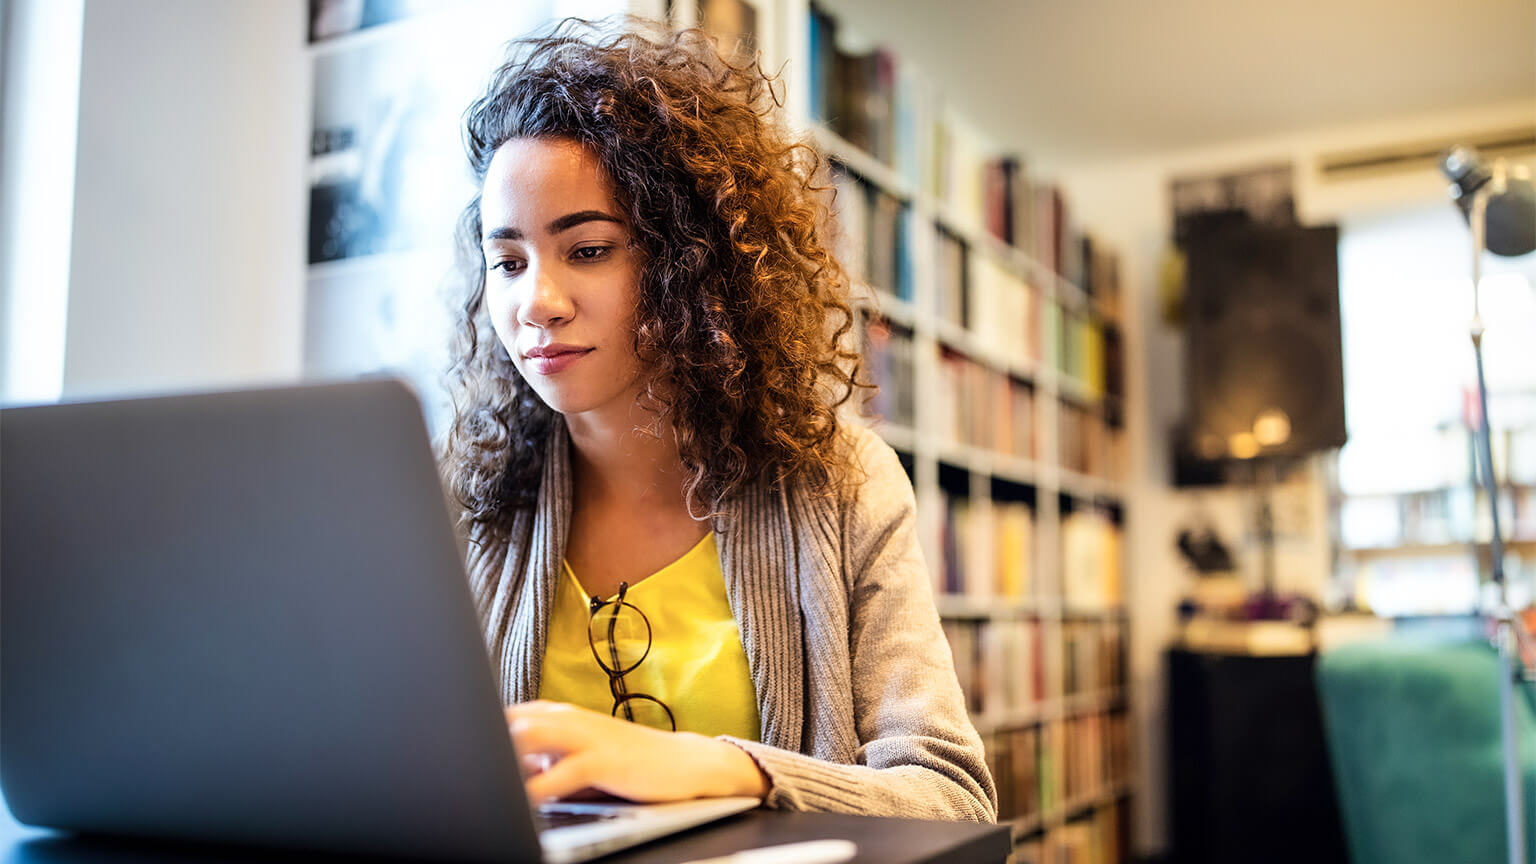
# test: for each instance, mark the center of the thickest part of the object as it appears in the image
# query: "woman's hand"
(589, 750)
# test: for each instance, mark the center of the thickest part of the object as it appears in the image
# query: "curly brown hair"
(743, 310)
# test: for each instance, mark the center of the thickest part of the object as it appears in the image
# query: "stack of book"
(1010, 202)
(860, 96)
(1117, 749)
(957, 171)
(1014, 760)
(887, 352)
(999, 665)
(1099, 838)
(1080, 349)
(1072, 444)
(1093, 656)
(871, 234)
(1091, 571)
(1089, 442)
(1051, 229)
(964, 540)
(962, 406)
(1013, 525)
(1085, 668)
(981, 191)
(1100, 268)
(1114, 375)
(978, 406)
(1015, 417)
(1083, 771)
(951, 297)
(965, 647)
(1003, 311)
(1111, 659)
(1006, 530)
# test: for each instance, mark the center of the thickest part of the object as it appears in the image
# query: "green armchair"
(1413, 733)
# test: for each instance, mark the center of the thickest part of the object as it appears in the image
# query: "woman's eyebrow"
(564, 223)
(571, 220)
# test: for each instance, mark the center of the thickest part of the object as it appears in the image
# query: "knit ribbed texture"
(860, 708)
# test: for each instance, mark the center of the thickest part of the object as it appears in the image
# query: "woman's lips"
(551, 364)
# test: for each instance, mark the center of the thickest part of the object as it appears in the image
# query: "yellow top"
(696, 665)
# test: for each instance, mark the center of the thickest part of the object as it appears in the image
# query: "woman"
(669, 527)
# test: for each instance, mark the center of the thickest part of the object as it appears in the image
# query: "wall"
(40, 87)
(187, 255)
(1125, 203)
(159, 241)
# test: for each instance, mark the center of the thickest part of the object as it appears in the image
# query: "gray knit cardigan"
(860, 708)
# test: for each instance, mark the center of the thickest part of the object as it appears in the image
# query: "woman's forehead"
(529, 175)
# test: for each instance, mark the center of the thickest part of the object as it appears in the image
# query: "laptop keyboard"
(545, 819)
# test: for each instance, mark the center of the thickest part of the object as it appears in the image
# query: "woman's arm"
(919, 754)
(567, 750)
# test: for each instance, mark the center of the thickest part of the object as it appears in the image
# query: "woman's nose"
(547, 303)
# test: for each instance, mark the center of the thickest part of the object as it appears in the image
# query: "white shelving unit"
(928, 448)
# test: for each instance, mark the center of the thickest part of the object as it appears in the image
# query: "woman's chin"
(568, 401)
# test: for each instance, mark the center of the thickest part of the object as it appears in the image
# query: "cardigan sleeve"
(919, 756)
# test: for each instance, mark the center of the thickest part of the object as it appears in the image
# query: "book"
(1014, 525)
(888, 358)
(822, 46)
(950, 289)
(1090, 560)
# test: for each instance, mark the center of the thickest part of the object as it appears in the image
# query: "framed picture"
(329, 19)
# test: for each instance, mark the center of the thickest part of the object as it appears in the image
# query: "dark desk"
(887, 841)
(1249, 775)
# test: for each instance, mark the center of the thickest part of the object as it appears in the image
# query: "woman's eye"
(510, 267)
(591, 253)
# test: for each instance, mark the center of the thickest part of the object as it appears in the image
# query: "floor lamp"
(1502, 215)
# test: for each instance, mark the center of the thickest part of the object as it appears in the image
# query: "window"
(1407, 508)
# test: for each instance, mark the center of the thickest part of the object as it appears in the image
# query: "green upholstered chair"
(1413, 732)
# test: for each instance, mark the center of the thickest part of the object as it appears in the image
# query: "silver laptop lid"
(242, 617)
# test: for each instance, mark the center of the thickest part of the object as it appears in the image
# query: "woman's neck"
(617, 465)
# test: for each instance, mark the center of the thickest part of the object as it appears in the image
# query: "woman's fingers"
(534, 764)
(557, 730)
(566, 777)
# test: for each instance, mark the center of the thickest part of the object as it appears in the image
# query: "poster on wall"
(386, 169)
(1263, 195)
(388, 180)
(329, 19)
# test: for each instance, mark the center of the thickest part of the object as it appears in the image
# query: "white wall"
(41, 87)
(186, 267)
(155, 208)
(1126, 203)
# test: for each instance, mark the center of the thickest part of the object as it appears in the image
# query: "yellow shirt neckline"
(705, 546)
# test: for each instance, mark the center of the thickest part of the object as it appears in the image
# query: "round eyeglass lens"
(620, 636)
(645, 710)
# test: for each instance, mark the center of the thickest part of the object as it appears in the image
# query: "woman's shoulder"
(486, 545)
(867, 453)
(874, 484)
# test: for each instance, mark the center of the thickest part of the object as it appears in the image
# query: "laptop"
(243, 618)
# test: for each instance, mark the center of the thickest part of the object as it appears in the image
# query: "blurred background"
(1169, 305)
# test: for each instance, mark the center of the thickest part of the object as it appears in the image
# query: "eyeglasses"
(615, 631)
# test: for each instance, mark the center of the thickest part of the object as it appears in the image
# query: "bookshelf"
(994, 329)
(992, 324)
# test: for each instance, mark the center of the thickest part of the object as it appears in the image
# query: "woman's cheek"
(496, 310)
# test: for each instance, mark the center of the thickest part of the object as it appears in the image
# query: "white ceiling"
(1085, 80)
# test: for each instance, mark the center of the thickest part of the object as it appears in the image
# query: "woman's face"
(562, 281)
